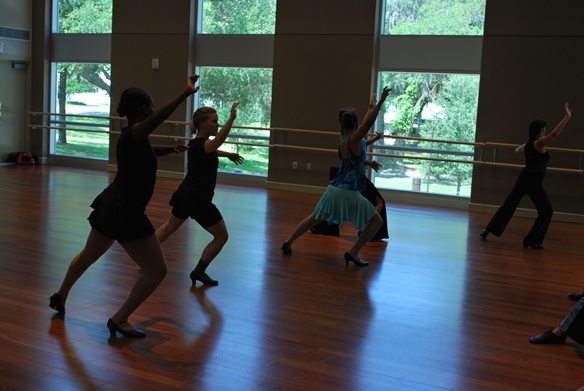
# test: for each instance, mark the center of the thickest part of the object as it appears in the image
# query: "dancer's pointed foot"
(57, 303)
(286, 248)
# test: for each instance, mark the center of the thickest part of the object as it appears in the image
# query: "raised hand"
(191, 84)
(234, 110)
(568, 110)
(385, 93)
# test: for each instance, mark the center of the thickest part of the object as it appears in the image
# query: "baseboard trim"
(532, 213)
(295, 187)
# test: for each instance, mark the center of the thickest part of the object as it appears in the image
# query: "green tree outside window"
(432, 106)
(239, 16)
(434, 17)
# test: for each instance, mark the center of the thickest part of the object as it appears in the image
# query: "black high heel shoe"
(56, 303)
(286, 248)
(203, 277)
(534, 246)
(576, 296)
(484, 234)
(113, 327)
(358, 262)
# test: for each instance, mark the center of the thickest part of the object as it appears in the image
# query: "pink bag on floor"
(25, 158)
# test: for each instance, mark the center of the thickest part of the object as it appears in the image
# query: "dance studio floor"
(437, 308)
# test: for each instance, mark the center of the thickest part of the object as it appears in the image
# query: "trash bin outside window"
(416, 182)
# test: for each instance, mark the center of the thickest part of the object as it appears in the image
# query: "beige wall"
(13, 90)
(323, 60)
(143, 30)
(531, 66)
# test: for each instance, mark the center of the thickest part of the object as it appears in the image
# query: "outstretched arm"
(234, 157)
(372, 164)
(542, 142)
(142, 129)
(371, 140)
(369, 120)
(213, 145)
(372, 103)
(162, 150)
(520, 150)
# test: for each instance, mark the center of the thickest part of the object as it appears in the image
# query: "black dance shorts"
(202, 211)
(125, 230)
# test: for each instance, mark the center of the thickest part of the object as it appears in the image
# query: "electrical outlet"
(308, 166)
(294, 165)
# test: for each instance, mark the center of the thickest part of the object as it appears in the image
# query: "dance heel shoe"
(484, 234)
(576, 296)
(56, 303)
(534, 246)
(358, 262)
(548, 338)
(113, 327)
(203, 277)
(286, 248)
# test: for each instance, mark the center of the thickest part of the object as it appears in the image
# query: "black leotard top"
(134, 182)
(535, 161)
(202, 167)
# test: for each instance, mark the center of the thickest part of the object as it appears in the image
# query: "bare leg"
(220, 237)
(304, 226)
(369, 231)
(148, 254)
(169, 227)
(96, 246)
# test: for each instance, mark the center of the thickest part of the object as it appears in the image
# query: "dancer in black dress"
(530, 182)
(119, 210)
(194, 196)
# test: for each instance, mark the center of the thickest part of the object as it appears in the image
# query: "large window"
(81, 86)
(252, 88)
(85, 16)
(82, 91)
(434, 17)
(239, 16)
(428, 106)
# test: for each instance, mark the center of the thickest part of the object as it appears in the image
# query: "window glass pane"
(82, 90)
(429, 106)
(434, 17)
(85, 16)
(252, 88)
(239, 16)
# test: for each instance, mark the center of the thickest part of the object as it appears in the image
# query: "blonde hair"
(201, 115)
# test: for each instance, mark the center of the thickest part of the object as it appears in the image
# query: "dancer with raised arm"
(343, 200)
(118, 213)
(530, 182)
(194, 197)
(370, 192)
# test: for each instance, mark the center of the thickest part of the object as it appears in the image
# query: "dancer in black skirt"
(194, 196)
(119, 210)
(530, 182)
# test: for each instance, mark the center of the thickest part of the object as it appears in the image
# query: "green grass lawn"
(445, 186)
(255, 163)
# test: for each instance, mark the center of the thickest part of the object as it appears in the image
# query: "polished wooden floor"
(437, 309)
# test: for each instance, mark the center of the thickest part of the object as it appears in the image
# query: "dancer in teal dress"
(343, 200)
